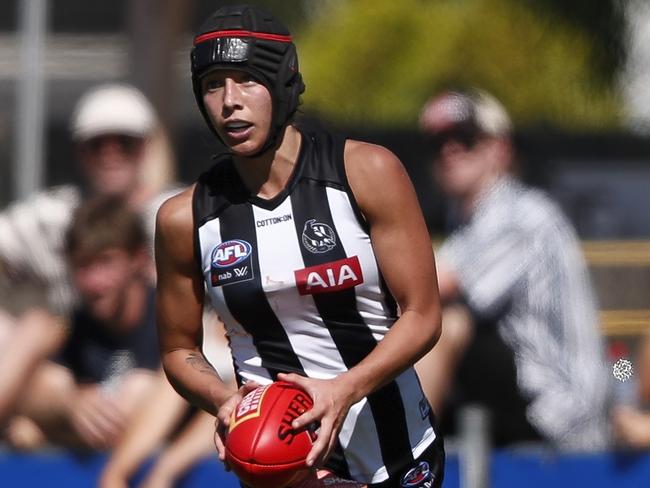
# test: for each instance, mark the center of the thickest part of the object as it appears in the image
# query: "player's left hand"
(332, 401)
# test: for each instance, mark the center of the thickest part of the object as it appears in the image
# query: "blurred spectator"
(86, 398)
(532, 350)
(155, 429)
(155, 422)
(119, 144)
(631, 416)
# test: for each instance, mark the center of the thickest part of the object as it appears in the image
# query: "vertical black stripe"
(238, 377)
(337, 462)
(352, 337)
(198, 212)
(247, 301)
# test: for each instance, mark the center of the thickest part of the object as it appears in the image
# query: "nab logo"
(231, 263)
(329, 277)
(418, 477)
(230, 253)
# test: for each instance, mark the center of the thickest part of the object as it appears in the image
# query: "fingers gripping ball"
(262, 448)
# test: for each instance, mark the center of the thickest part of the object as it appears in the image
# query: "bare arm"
(395, 218)
(179, 306)
(411, 278)
(29, 340)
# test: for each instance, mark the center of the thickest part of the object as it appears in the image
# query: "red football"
(262, 448)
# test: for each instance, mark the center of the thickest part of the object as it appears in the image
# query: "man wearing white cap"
(113, 127)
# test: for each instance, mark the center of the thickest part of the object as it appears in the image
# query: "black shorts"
(427, 471)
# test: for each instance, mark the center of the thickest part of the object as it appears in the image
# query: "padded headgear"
(249, 39)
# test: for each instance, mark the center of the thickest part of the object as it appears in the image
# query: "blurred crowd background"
(573, 76)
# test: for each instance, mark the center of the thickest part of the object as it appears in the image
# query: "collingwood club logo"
(318, 237)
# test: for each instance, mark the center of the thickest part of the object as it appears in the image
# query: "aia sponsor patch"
(231, 263)
(329, 277)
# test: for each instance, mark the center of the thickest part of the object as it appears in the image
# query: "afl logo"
(230, 253)
(318, 237)
(418, 477)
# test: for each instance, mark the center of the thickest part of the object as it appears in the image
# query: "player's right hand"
(223, 418)
(332, 401)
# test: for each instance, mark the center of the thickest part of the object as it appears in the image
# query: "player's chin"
(245, 150)
(248, 146)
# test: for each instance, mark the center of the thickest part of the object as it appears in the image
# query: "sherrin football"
(262, 448)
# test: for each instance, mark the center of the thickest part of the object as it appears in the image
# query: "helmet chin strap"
(273, 142)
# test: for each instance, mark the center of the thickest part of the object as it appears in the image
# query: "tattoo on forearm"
(198, 362)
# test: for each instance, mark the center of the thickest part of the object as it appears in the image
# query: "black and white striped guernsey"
(296, 282)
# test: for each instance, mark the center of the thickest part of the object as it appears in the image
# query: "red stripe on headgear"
(241, 33)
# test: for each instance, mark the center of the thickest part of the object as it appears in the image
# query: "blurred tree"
(604, 20)
(377, 61)
(292, 12)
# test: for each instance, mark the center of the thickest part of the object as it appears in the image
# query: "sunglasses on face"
(127, 144)
(464, 137)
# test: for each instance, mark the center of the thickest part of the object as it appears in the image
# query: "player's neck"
(268, 174)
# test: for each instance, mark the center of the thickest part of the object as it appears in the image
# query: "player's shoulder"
(175, 213)
(376, 176)
(371, 154)
(370, 161)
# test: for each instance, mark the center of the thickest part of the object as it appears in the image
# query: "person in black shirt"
(86, 396)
